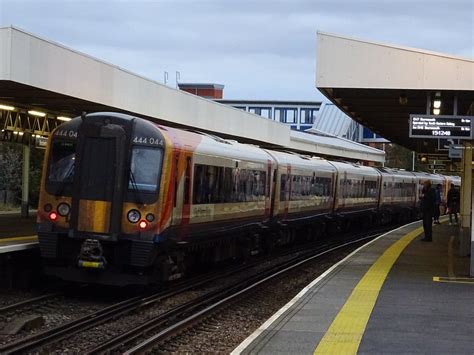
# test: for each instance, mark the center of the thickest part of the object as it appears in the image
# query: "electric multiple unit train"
(127, 201)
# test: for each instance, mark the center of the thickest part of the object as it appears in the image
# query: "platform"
(13, 225)
(17, 233)
(393, 295)
(8, 245)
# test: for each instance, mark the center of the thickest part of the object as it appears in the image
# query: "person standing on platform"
(437, 203)
(453, 203)
(428, 205)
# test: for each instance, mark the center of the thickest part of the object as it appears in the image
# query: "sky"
(258, 49)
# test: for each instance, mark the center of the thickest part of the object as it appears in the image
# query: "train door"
(97, 197)
(177, 191)
(270, 191)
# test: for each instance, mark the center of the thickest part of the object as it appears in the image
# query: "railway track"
(14, 307)
(185, 316)
(56, 334)
(172, 320)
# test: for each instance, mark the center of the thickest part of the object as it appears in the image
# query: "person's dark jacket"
(438, 196)
(453, 199)
(428, 201)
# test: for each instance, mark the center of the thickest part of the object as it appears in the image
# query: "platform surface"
(9, 245)
(17, 233)
(13, 225)
(421, 303)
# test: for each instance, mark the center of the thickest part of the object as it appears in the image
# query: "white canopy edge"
(36, 62)
(344, 62)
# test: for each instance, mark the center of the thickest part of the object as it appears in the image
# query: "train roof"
(355, 168)
(208, 144)
(301, 161)
(396, 172)
(424, 176)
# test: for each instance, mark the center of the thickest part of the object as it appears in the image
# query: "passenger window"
(214, 184)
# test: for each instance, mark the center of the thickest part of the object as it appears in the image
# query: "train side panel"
(304, 188)
(358, 188)
(398, 188)
(229, 189)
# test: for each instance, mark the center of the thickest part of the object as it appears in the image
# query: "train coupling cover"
(91, 255)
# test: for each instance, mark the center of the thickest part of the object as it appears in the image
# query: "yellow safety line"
(455, 280)
(346, 331)
(28, 237)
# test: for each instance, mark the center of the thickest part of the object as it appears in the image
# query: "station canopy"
(380, 85)
(38, 76)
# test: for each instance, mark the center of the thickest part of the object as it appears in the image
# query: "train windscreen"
(145, 169)
(61, 162)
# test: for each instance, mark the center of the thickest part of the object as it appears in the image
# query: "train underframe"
(142, 262)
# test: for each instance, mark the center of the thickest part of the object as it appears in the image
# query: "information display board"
(431, 126)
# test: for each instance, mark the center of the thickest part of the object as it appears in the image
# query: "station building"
(315, 117)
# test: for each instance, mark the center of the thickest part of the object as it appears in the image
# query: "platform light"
(6, 107)
(436, 111)
(437, 101)
(63, 118)
(36, 113)
(403, 99)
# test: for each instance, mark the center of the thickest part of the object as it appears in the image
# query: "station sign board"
(444, 143)
(437, 166)
(41, 142)
(455, 151)
(441, 126)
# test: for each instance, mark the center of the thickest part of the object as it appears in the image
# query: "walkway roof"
(366, 79)
(39, 74)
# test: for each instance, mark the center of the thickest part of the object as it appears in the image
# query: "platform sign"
(437, 166)
(444, 143)
(41, 142)
(455, 151)
(435, 127)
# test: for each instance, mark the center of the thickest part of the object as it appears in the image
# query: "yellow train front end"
(103, 201)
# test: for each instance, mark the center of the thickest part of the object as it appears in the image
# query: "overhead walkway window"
(308, 115)
(261, 111)
(286, 115)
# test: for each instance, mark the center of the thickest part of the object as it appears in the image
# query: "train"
(126, 201)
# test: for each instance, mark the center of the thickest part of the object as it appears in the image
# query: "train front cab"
(98, 214)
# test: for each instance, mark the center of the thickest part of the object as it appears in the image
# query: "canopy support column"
(25, 181)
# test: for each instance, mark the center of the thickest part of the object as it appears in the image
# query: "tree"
(36, 167)
(399, 157)
(10, 171)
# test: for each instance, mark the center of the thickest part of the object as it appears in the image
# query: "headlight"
(64, 209)
(150, 217)
(133, 216)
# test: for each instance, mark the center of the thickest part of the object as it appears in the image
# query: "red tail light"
(53, 216)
